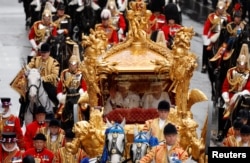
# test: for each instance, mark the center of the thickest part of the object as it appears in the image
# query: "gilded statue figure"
(89, 135)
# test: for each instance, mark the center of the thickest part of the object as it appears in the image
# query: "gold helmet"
(221, 4)
(47, 11)
(243, 58)
(73, 60)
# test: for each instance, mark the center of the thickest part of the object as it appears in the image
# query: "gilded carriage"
(141, 61)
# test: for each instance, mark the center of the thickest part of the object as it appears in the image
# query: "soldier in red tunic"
(41, 31)
(11, 123)
(109, 29)
(157, 19)
(34, 127)
(117, 19)
(70, 87)
(40, 153)
(211, 31)
(9, 151)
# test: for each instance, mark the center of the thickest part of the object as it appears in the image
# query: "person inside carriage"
(235, 31)
(117, 19)
(121, 97)
(155, 96)
(62, 21)
(212, 29)
(9, 150)
(40, 32)
(70, 88)
(49, 70)
(236, 84)
(10, 122)
(106, 26)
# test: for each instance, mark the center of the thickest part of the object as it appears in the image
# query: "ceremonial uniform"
(44, 156)
(157, 21)
(31, 130)
(211, 31)
(70, 87)
(110, 31)
(11, 123)
(34, 127)
(40, 32)
(64, 156)
(9, 153)
(156, 126)
(49, 68)
(161, 153)
(40, 153)
(62, 21)
(170, 30)
(167, 151)
(232, 141)
(243, 84)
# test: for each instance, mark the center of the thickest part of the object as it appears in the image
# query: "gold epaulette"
(229, 28)
(67, 16)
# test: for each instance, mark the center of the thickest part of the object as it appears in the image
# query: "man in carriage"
(213, 26)
(70, 88)
(11, 123)
(41, 31)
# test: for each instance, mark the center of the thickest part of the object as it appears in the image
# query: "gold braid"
(40, 33)
(234, 82)
(57, 22)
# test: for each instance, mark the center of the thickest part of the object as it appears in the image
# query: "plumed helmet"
(244, 56)
(105, 14)
(111, 5)
(221, 4)
(46, 11)
(73, 60)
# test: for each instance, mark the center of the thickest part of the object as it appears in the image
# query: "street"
(14, 47)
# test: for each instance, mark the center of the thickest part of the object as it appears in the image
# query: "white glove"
(34, 45)
(245, 92)
(235, 96)
(81, 91)
(60, 31)
(206, 40)
(120, 31)
(61, 98)
(225, 96)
